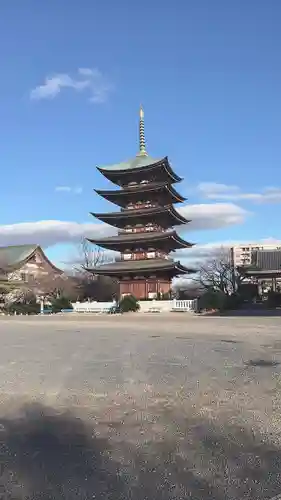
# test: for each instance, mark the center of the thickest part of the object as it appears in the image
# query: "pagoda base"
(145, 288)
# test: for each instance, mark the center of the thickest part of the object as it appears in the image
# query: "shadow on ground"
(253, 310)
(49, 456)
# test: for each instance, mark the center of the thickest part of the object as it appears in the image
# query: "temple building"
(25, 264)
(145, 223)
(264, 270)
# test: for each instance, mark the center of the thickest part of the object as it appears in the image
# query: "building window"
(23, 276)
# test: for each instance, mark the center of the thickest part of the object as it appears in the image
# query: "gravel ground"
(140, 407)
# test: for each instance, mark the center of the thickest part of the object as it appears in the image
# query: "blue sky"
(73, 76)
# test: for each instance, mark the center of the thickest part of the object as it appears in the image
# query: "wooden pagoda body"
(145, 220)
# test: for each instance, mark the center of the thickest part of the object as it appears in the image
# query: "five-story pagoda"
(145, 224)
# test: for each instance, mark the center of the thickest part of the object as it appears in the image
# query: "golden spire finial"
(142, 150)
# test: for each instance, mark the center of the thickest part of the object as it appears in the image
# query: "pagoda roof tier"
(144, 267)
(165, 217)
(144, 192)
(161, 240)
(142, 167)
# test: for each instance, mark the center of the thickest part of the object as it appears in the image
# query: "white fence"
(145, 306)
(92, 307)
(185, 305)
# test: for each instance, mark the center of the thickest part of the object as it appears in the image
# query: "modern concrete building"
(244, 254)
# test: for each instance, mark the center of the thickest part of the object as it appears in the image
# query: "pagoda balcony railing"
(143, 182)
(140, 205)
(141, 256)
(142, 229)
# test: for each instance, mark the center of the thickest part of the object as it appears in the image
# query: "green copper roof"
(11, 255)
(137, 162)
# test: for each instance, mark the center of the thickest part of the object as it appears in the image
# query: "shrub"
(233, 301)
(217, 300)
(274, 299)
(22, 308)
(61, 303)
(212, 300)
(128, 303)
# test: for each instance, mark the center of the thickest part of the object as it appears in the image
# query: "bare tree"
(187, 289)
(219, 274)
(93, 286)
(6, 286)
(53, 285)
(90, 256)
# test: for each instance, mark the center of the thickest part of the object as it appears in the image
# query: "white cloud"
(87, 71)
(69, 189)
(215, 188)
(213, 215)
(86, 79)
(50, 232)
(214, 191)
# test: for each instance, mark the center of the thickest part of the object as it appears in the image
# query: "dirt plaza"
(168, 406)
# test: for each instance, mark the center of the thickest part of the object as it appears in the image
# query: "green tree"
(128, 303)
(60, 303)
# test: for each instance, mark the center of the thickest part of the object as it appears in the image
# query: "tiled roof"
(124, 217)
(154, 235)
(142, 238)
(134, 192)
(13, 255)
(142, 265)
(136, 162)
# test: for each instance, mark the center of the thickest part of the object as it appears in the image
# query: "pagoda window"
(149, 227)
(138, 228)
(127, 256)
(151, 255)
(148, 203)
